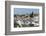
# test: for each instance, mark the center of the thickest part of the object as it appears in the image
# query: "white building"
(35, 21)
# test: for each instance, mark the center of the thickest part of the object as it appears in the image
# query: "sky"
(25, 10)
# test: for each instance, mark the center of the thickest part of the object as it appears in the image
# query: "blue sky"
(25, 10)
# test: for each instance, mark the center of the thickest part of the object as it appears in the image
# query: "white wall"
(2, 18)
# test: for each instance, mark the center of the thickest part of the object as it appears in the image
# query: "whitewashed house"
(35, 21)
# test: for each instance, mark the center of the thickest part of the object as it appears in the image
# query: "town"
(31, 20)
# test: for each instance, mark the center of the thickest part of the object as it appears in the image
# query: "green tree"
(31, 15)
